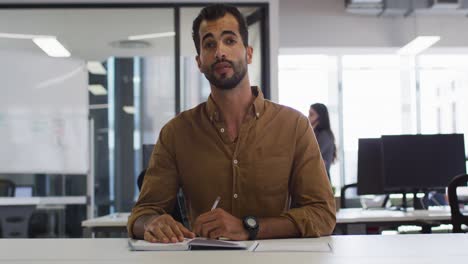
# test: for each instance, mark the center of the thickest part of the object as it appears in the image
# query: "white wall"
(325, 23)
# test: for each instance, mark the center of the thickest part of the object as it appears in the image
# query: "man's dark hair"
(214, 12)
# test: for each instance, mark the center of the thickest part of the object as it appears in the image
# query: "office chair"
(355, 203)
(457, 217)
(343, 202)
(179, 212)
(13, 219)
(7, 188)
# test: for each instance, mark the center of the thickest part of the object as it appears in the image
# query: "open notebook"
(192, 244)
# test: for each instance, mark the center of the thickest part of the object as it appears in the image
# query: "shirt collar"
(258, 105)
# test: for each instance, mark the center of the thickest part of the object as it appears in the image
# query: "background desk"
(42, 201)
(424, 218)
(23, 207)
(359, 215)
(408, 249)
(112, 223)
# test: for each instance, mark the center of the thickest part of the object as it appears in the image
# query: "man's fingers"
(210, 215)
(148, 236)
(216, 233)
(161, 236)
(206, 228)
(177, 232)
(187, 233)
(200, 222)
(197, 226)
(167, 230)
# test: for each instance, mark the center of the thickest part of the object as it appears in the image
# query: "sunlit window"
(378, 97)
(308, 79)
(444, 94)
(371, 102)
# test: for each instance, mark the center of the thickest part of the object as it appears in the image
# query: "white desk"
(407, 249)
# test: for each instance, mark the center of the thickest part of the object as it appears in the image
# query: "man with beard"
(258, 159)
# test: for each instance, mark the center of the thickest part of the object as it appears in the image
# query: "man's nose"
(220, 51)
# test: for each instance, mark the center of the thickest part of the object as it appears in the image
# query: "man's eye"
(209, 45)
(230, 41)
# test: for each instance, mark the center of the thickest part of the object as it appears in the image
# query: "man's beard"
(223, 82)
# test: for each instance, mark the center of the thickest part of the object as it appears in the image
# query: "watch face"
(251, 222)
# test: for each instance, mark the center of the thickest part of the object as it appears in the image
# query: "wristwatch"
(251, 225)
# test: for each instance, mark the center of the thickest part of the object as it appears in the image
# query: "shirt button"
(258, 114)
(222, 130)
(235, 162)
(235, 196)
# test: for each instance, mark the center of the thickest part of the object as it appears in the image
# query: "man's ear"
(249, 54)
(197, 58)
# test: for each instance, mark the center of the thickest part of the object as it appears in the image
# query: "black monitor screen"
(415, 162)
(370, 179)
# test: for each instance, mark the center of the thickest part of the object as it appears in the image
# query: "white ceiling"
(87, 33)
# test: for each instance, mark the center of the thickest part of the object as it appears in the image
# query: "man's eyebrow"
(225, 32)
(208, 35)
(228, 32)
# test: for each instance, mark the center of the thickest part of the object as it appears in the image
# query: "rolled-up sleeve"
(160, 185)
(313, 208)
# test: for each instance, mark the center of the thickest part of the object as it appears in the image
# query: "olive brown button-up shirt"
(273, 169)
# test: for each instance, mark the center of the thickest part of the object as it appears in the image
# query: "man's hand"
(218, 223)
(165, 229)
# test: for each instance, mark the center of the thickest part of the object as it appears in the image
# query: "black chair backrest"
(140, 179)
(343, 194)
(7, 188)
(457, 217)
(147, 151)
(179, 211)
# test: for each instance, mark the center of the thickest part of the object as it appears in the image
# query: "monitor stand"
(385, 201)
(404, 203)
(418, 203)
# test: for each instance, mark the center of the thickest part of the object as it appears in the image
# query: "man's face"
(223, 57)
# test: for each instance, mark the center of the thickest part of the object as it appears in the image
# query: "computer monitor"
(370, 178)
(419, 162)
(24, 191)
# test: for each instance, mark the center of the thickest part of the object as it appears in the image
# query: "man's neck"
(234, 105)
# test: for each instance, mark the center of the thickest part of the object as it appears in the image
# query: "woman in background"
(320, 121)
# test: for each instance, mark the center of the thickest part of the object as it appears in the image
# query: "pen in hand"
(215, 203)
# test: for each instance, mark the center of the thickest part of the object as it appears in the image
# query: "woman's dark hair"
(214, 12)
(324, 122)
